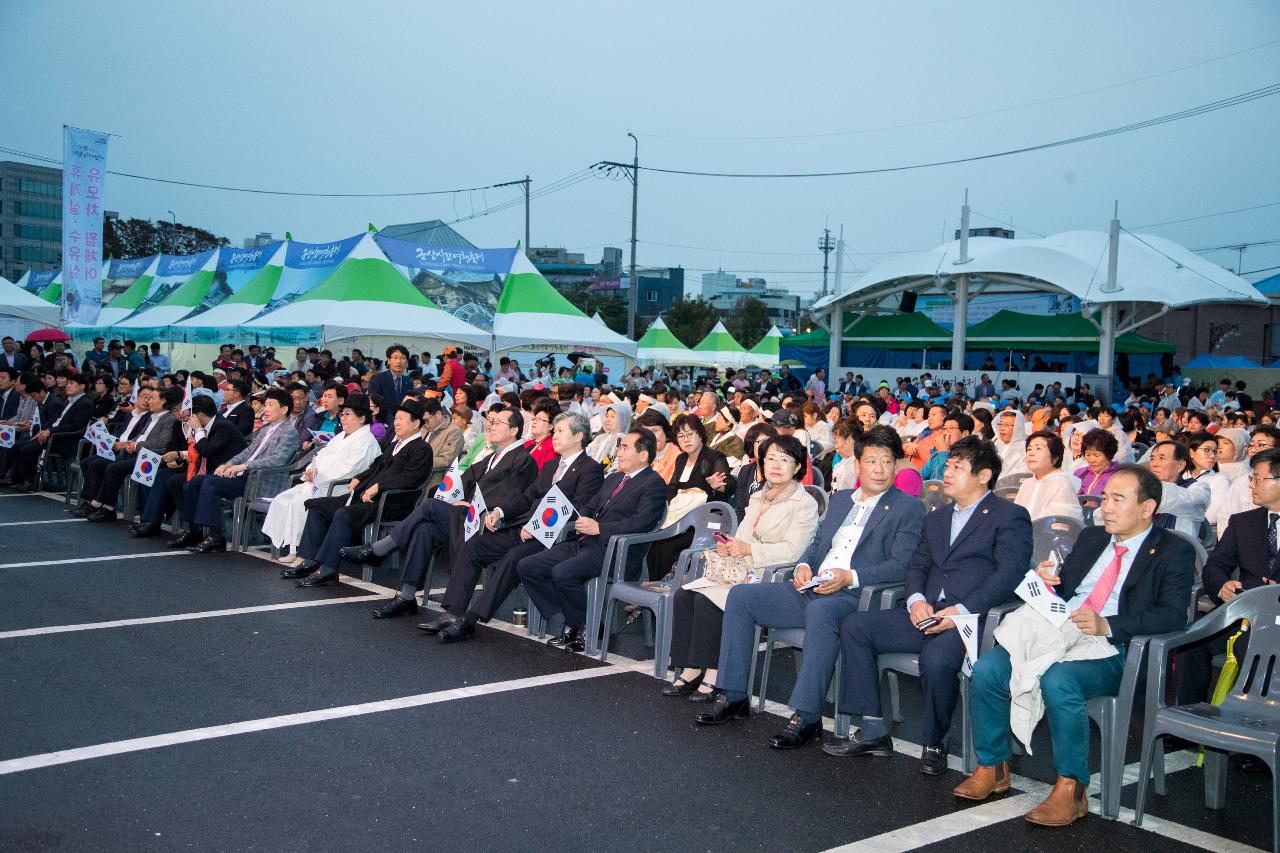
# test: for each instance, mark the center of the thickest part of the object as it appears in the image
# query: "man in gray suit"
(160, 433)
(273, 445)
(866, 537)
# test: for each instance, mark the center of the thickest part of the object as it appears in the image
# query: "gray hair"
(577, 424)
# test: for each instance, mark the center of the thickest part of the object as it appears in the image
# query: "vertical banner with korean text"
(84, 179)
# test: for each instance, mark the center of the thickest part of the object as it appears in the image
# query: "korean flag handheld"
(450, 490)
(144, 470)
(475, 515)
(1035, 592)
(7, 436)
(967, 625)
(550, 518)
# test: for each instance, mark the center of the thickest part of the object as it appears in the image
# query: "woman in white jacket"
(349, 452)
(1049, 490)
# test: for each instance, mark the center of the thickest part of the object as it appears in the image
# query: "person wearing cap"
(724, 436)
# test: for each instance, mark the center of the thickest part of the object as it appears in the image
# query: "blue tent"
(1223, 362)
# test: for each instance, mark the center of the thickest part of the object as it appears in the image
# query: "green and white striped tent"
(366, 296)
(765, 353)
(175, 305)
(238, 308)
(660, 346)
(533, 316)
(125, 302)
(720, 349)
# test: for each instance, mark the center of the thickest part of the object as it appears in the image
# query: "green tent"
(881, 331)
(719, 348)
(1010, 330)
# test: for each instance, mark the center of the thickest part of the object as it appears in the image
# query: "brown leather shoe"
(984, 782)
(1065, 804)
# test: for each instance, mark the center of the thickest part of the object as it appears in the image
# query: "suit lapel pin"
(1152, 552)
(985, 511)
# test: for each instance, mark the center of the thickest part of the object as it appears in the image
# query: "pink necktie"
(1106, 583)
(618, 488)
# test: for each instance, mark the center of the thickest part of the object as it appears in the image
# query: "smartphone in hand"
(928, 623)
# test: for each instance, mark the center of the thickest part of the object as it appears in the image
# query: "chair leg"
(608, 625)
(1114, 740)
(1215, 778)
(662, 652)
(894, 702)
(1149, 740)
(764, 673)
(967, 751)
(1157, 769)
(533, 621)
(841, 726)
(1275, 805)
(755, 653)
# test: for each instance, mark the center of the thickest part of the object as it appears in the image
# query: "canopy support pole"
(835, 351)
(959, 327)
(1110, 311)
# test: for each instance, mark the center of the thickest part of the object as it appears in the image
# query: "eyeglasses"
(687, 433)
(1254, 478)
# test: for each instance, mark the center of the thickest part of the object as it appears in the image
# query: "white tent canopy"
(16, 302)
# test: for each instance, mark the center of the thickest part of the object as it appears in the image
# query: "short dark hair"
(879, 436)
(1054, 443)
(431, 406)
(13, 374)
(1270, 456)
(337, 388)
(981, 456)
(1180, 451)
(280, 396)
(173, 397)
(1104, 441)
(1149, 486)
(690, 422)
(645, 443)
(400, 348)
(242, 387)
(849, 427)
(962, 420)
(756, 430)
(655, 420)
(545, 404)
(203, 404)
(791, 446)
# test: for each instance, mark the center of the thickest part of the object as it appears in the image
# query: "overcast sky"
(378, 97)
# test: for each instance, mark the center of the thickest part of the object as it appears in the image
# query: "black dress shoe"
(186, 540)
(396, 607)
(317, 579)
(102, 513)
(578, 643)
(854, 745)
(933, 761)
(208, 545)
(24, 486)
(703, 696)
(436, 623)
(680, 687)
(82, 509)
(568, 634)
(457, 630)
(142, 531)
(300, 571)
(796, 734)
(723, 710)
(361, 555)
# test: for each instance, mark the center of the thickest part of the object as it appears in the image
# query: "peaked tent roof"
(1053, 333)
(242, 306)
(16, 302)
(128, 300)
(596, 316)
(1222, 362)
(177, 304)
(659, 346)
(767, 348)
(719, 348)
(52, 292)
(366, 295)
(532, 315)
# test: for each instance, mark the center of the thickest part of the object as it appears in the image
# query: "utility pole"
(173, 232)
(632, 291)
(825, 246)
(526, 212)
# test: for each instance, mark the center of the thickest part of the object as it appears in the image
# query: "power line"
(31, 156)
(1210, 215)
(1213, 106)
(1235, 247)
(969, 115)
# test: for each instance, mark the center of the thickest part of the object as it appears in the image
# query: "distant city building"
(725, 290)
(715, 283)
(1002, 233)
(564, 268)
(30, 218)
(262, 238)
(659, 288)
(433, 232)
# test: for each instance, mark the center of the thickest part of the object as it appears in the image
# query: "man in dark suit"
(632, 499)
(9, 393)
(236, 408)
(972, 555)
(212, 444)
(1245, 557)
(504, 540)
(1120, 580)
(13, 357)
(501, 477)
(93, 468)
(162, 434)
(392, 383)
(61, 436)
(866, 537)
(332, 522)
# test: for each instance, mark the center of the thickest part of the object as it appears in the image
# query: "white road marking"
(85, 753)
(49, 521)
(65, 562)
(945, 827)
(184, 617)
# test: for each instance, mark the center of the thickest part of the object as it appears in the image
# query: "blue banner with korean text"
(84, 181)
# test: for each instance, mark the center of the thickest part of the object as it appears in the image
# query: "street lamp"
(173, 232)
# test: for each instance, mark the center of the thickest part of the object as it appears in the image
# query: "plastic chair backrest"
(818, 479)
(1013, 480)
(932, 495)
(708, 520)
(1007, 492)
(1202, 556)
(1088, 503)
(820, 496)
(1257, 686)
(1056, 533)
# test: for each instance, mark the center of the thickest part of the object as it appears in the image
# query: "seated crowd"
(832, 494)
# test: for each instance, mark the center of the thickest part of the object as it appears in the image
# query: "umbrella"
(1227, 678)
(50, 334)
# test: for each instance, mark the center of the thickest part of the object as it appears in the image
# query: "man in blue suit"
(971, 557)
(866, 537)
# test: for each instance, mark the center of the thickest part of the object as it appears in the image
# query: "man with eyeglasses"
(501, 477)
(1240, 494)
(956, 426)
(1245, 558)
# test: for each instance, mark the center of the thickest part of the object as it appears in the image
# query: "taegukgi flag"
(450, 489)
(144, 470)
(551, 516)
(475, 515)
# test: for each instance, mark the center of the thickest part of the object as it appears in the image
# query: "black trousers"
(663, 555)
(504, 579)
(469, 560)
(327, 529)
(1193, 666)
(103, 478)
(432, 524)
(695, 630)
(557, 578)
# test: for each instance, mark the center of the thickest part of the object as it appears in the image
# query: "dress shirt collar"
(400, 444)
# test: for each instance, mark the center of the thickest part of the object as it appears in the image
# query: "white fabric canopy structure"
(177, 304)
(16, 302)
(660, 346)
(719, 349)
(366, 295)
(243, 305)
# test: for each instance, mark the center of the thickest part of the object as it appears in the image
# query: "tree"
(748, 322)
(612, 307)
(138, 238)
(690, 320)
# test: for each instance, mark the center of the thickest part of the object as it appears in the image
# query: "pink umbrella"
(44, 335)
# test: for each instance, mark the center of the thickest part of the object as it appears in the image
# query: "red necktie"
(1106, 583)
(618, 488)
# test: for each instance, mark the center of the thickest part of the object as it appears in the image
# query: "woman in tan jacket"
(779, 523)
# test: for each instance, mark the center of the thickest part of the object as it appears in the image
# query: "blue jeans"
(1066, 687)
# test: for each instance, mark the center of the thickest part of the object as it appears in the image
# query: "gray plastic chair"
(1006, 492)
(705, 521)
(253, 491)
(1089, 503)
(820, 497)
(1012, 480)
(75, 476)
(1247, 721)
(931, 494)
